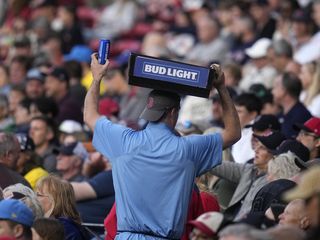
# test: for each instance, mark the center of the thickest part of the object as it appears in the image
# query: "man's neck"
(41, 149)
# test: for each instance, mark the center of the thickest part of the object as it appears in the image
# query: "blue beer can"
(104, 49)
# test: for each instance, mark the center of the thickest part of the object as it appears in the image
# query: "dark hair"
(27, 233)
(26, 62)
(292, 84)
(26, 103)
(49, 228)
(47, 106)
(73, 69)
(250, 101)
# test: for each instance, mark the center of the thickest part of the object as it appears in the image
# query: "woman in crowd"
(310, 96)
(57, 199)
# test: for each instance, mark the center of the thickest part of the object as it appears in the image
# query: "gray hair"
(283, 166)
(245, 232)
(282, 48)
(8, 143)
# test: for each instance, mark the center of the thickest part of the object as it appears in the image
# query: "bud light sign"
(169, 75)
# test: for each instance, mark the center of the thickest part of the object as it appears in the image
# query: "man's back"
(153, 172)
(10, 177)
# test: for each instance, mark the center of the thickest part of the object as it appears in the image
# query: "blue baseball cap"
(79, 53)
(15, 211)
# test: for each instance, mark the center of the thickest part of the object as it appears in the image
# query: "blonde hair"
(283, 166)
(62, 194)
(314, 88)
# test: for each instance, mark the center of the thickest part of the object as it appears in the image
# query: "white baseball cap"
(209, 222)
(259, 48)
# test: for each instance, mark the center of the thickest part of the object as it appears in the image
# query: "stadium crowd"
(59, 178)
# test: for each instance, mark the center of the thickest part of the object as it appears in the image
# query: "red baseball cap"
(312, 125)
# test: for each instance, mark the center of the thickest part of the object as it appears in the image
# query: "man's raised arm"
(90, 111)
(232, 130)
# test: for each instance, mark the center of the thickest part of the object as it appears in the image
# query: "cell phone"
(104, 49)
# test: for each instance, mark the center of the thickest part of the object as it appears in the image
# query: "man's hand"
(98, 70)
(218, 79)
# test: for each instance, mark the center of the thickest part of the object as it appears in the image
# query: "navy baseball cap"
(26, 143)
(271, 141)
(264, 122)
(15, 211)
(158, 103)
(75, 148)
(295, 147)
(59, 73)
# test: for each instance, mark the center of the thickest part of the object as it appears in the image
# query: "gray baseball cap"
(158, 103)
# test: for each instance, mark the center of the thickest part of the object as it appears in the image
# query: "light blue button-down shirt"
(153, 174)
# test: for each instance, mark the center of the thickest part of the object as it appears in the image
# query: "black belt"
(152, 234)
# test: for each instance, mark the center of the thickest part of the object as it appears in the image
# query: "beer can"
(104, 49)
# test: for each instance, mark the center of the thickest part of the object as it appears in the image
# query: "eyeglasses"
(308, 134)
(41, 195)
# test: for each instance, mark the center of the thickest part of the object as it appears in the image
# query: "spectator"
(58, 201)
(258, 70)
(309, 136)
(9, 154)
(70, 30)
(19, 67)
(22, 116)
(310, 78)
(17, 94)
(26, 195)
(207, 225)
(44, 106)
(43, 133)
(261, 13)
(16, 219)
(52, 47)
(295, 214)
(34, 83)
(211, 47)
(243, 231)
(6, 122)
(233, 73)
(308, 190)
(249, 177)
(29, 163)
(74, 70)
(286, 92)
(162, 114)
(47, 229)
(248, 107)
(57, 87)
(244, 33)
(280, 55)
(307, 52)
(70, 161)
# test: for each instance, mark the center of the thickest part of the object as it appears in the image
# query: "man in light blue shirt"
(154, 169)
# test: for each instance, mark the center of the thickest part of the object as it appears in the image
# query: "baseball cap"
(35, 74)
(271, 141)
(295, 147)
(158, 103)
(259, 48)
(26, 195)
(16, 211)
(79, 53)
(264, 122)
(75, 148)
(312, 125)
(209, 222)
(70, 126)
(26, 143)
(59, 73)
(108, 107)
(307, 187)
(301, 16)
